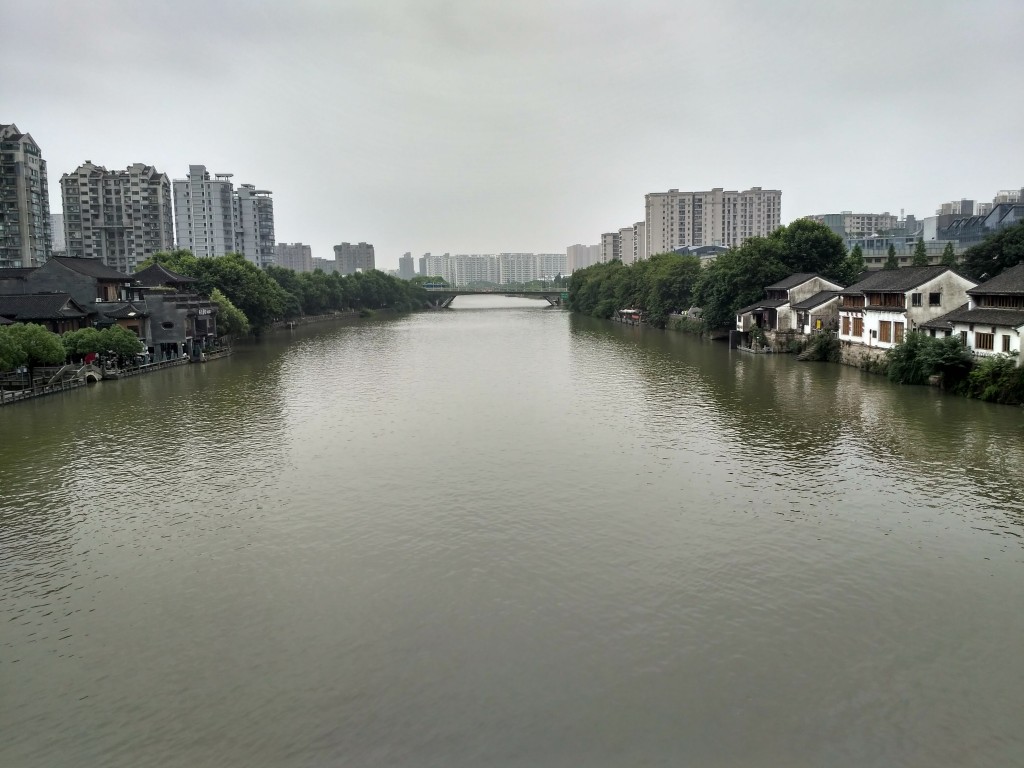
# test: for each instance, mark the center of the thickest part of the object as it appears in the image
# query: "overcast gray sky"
(477, 126)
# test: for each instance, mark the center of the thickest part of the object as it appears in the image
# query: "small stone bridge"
(441, 298)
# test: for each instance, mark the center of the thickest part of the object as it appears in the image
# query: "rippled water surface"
(504, 535)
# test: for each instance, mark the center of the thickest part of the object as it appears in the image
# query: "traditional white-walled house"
(775, 312)
(880, 309)
(992, 322)
(818, 313)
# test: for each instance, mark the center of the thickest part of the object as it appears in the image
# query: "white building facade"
(254, 225)
(881, 309)
(610, 247)
(581, 256)
(212, 218)
(204, 212)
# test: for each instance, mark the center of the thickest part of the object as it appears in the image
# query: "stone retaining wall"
(858, 354)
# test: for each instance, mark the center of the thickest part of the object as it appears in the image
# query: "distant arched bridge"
(441, 298)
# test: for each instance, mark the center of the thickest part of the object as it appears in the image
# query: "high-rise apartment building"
(354, 257)
(581, 256)
(717, 217)
(204, 212)
(406, 267)
(325, 265)
(59, 245)
(639, 241)
(254, 225)
(501, 269)
(294, 256)
(627, 252)
(551, 265)
(212, 218)
(436, 266)
(610, 247)
(24, 201)
(119, 217)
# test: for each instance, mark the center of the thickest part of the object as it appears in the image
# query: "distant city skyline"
(425, 125)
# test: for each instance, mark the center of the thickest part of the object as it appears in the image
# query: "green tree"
(920, 257)
(231, 321)
(737, 278)
(120, 342)
(669, 283)
(852, 268)
(919, 357)
(948, 256)
(38, 345)
(82, 342)
(12, 355)
(892, 262)
(1000, 250)
(807, 246)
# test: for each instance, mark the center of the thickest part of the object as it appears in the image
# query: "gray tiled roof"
(798, 278)
(896, 280)
(39, 306)
(126, 311)
(16, 273)
(1009, 318)
(816, 300)
(92, 268)
(1006, 282)
(764, 304)
(158, 274)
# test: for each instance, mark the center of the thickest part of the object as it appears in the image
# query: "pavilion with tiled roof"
(57, 312)
(158, 275)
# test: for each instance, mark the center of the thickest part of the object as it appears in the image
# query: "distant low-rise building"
(971, 230)
(850, 224)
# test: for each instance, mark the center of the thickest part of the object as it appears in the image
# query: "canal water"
(508, 536)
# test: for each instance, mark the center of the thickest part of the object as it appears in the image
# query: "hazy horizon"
(485, 128)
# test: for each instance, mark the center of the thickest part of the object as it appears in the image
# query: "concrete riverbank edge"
(10, 397)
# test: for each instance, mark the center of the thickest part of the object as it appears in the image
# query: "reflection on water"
(503, 535)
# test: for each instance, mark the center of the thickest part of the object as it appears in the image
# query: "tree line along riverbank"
(668, 283)
(248, 300)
